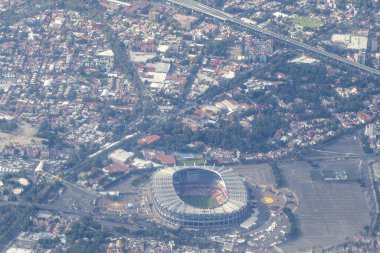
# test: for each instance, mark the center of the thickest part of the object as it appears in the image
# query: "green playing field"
(306, 22)
(200, 201)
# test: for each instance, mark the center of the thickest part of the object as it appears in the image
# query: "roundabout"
(267, 200)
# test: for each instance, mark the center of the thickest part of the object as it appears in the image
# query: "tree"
(13, 220)
(86, 235)
(294, 229)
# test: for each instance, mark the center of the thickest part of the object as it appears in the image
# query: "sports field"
(182, 162)
(307, 22)
(200, 201)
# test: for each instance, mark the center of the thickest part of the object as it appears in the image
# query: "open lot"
(328, 213)
(74, 199)
(260, 173)
(349, 144)
(132, 183)
(23, 135)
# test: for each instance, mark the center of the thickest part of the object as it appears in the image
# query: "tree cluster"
(13, 220)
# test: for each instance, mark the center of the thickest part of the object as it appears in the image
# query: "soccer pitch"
(204, 202)
(306, 22)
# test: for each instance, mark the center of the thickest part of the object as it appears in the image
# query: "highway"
(119, 2)
(196, 6)
(345, 154)
(107, 147)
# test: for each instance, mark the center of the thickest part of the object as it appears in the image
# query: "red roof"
(165, 159)
(114, 168)
(149, 139)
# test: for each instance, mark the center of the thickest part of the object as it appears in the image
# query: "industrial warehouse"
(205, 197)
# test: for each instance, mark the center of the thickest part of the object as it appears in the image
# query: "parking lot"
(328, 213)
(349, 168)
(257, 173)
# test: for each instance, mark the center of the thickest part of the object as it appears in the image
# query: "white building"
(121, 156)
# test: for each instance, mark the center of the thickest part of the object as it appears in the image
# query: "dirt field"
(23, 135)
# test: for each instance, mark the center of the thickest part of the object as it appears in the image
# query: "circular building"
(199, 197)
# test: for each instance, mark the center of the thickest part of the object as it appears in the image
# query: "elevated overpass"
(223, 16)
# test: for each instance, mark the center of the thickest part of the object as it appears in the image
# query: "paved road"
(48, 207)
(229, 18)
(106, 148)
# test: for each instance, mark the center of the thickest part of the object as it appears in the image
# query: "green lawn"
(306, 22)
(200, 201)
(182, 162)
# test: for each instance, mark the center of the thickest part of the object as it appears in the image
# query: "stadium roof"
(165, 193)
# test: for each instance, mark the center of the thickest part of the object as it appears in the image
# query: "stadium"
(199, 197)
